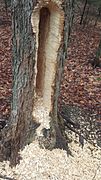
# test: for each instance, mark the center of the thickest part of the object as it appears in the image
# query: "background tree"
(89, 10)
(7, 4)
(96, 62)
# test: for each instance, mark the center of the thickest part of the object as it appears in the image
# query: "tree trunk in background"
(98, 56)
(96, 61)
(82, 16)
(22, 126)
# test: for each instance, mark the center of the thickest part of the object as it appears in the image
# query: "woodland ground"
(81, 83)
(81, 86)
(5, 63)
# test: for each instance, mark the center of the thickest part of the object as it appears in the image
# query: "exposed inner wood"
(47, 24)
(41, 60)
(49, 38)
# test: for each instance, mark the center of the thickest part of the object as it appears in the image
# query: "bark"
(23, 75)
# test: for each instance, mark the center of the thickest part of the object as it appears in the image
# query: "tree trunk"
(84, 8)
(40, 39)
(96, 61)
(98, 16)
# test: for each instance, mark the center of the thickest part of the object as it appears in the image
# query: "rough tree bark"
(29, 18)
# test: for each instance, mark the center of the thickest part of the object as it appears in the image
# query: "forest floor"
(5, 63)
(81, 86)
(81, 83)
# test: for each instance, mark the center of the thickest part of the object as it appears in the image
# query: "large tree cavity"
(47, 23)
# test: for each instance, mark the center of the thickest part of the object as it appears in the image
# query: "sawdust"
(42, 164)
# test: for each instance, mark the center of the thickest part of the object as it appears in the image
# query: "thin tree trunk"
(99, 13)
(86, 18)
(82, 16)
(96, 62)
(6, 5)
